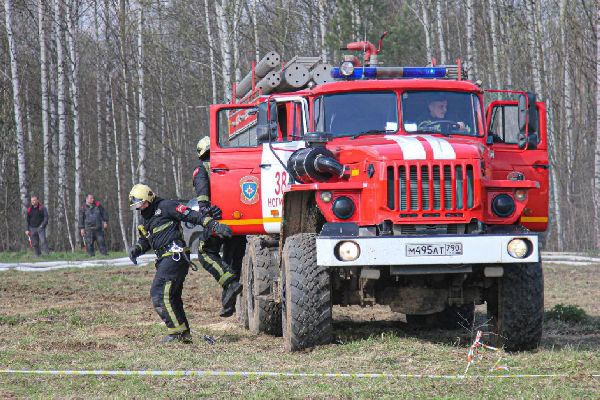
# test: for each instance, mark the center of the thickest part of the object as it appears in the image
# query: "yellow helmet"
(138, 194)
(203, 146)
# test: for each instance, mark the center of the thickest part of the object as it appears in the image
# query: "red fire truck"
(397, 186)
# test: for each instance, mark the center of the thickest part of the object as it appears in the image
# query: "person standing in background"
(37, 219)
(93, 220)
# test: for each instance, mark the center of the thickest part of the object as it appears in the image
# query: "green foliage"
(9, 320)
(567, 313)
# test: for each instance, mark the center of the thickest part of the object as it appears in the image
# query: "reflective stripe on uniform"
(203, 198)
(162, 227)
(143, 231)
(225, 278)
(177, 329)
(206, 220)
(167, 302)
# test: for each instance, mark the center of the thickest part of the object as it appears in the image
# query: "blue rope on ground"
(252, 374)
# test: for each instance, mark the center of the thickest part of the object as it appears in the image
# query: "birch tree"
(471, 51)
(44, 94)
(72, 23)
(16, 87)
(440, 29)
(225, 45)
(597, 152)
(211, 55)
(141, 98)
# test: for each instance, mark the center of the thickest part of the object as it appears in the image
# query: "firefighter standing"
(93, 220)
(37, 219)
(160, 230)
(226, 270)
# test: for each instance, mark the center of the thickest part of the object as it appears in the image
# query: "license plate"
(438, 249)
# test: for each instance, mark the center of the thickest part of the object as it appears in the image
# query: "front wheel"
(307, 316)
(516, 307)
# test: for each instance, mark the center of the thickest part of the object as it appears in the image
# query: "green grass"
(29, 256)
(102, 318)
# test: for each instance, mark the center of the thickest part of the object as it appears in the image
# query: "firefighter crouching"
(226, 270)
(160, 231)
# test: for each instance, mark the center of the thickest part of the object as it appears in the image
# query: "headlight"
(347, 251)
(518, 248)
(347, 68)
(343, 207)
(326, 197)
(503, 205)
(521, 194)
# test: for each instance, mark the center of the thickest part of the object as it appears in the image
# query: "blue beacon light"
(391, 72)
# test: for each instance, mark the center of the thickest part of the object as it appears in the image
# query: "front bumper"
(392, 250)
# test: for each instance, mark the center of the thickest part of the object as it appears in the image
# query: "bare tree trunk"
(44, 94)
(597, 152)
(471, 51)
(494, 34)
(117, 167)
(124, 71)
(440, 28)
(255, 30)
(235, 25)
(141, 99)
(62, 118)
(16, 86)
(211, 52)
(427, 28)
(74, 81)
(99, 71)
(323, 30)
(225, 43)
(566, 98)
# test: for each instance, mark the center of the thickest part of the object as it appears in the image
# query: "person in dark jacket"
(93, 220)
(161, 231)
(226, 270)
(37, 219)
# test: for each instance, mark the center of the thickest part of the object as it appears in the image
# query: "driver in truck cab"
(437, 107)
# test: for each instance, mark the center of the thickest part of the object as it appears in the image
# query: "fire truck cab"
(403, 186)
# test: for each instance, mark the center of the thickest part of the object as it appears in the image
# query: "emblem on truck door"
(249, 187)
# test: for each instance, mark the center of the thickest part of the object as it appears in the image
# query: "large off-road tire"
(453, 317)
(306, 295)
(264, 313)
(241, 305)
(516, 307)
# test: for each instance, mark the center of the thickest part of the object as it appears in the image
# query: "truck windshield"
(350, 114)
(441, 112)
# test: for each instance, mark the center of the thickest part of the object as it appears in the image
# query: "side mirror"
(527, 121)
(266, 128)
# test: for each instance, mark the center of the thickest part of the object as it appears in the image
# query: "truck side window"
(237, 128)
(505, 126)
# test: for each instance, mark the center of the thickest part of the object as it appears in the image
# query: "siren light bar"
(348, 73)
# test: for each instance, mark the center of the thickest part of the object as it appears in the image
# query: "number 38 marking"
(280, 181)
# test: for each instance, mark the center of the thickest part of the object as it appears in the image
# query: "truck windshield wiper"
(369, 132)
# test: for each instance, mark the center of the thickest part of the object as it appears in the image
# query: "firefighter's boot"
(228, 298)
(183, 337)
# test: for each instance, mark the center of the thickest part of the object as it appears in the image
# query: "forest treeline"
(99, 94)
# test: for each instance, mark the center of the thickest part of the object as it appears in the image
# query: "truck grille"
(430, 187)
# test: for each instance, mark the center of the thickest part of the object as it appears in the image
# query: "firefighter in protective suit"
(160, 231)
(226, 270)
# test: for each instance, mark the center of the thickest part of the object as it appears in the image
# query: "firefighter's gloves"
(213, 211)
(221, 230)
(134, 253)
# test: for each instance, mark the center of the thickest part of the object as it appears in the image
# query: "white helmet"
(203, 146)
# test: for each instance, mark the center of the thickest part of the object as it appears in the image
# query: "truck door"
(246, 176)
(516, 150)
